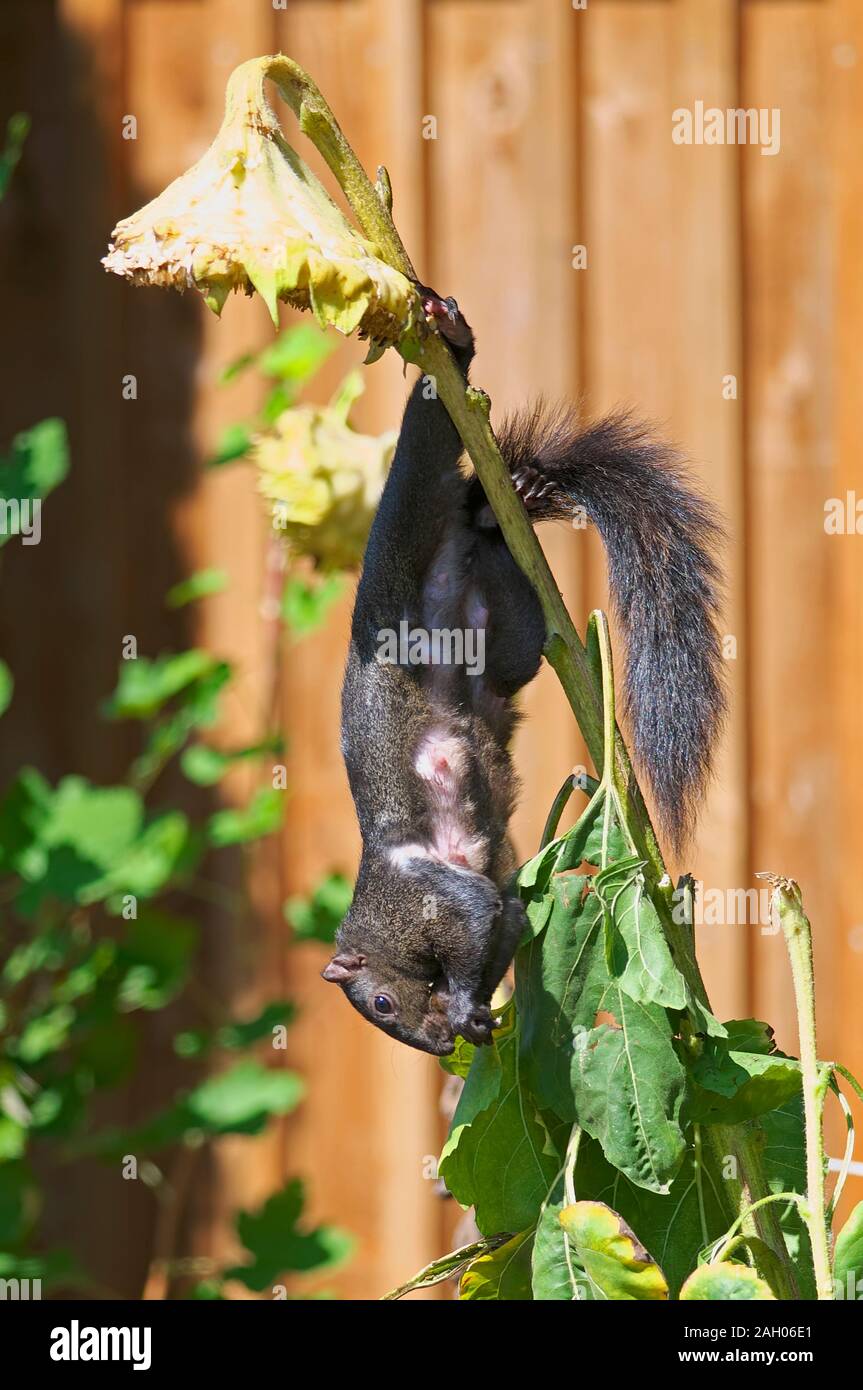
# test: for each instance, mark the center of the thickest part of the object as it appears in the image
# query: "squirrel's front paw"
(446, 316)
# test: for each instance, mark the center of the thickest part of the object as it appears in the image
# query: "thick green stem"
(788, 903)
(469, 410)
(370, 205)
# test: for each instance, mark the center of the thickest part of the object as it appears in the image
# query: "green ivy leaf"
(98, 823)
(319, 917)
(24, 812)
(38, 463)
(155, 959)
(305, 605)
(13, 1139)
(198, 708)
(45, 1034)
(241, 1100)
(7, 686)
(235, 442)
(278, 1244)
(165, 849)
(238, 1034)
(205, 765)
(297, 354)
(19, 1203)
(202, 584)
(144, 686)
(238, 1101)
(17, 130)
(262, 816)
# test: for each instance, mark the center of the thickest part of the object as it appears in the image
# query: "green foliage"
(447, 1267)
(627, 1084)
(276, 1241)
(503, 1273)
(199, 585)
(37, 464)
(145, 687)
(261, 817)
(206, 766)
(499, 1156)
(97, 930)
(174, 696)
(725, 1281)
(237, 1034)
(17, 130)
(94, 940)
(291, 363)
(556, 1276)
(732, 1084)
(848, 1255)
(7, 685)
(586, 1126)
(318, 918)
(306, 603)
(615, 1264)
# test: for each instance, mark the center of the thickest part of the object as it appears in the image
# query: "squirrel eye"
(383, 1004)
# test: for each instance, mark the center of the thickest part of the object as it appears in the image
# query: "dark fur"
(660, 537)
(436, 558)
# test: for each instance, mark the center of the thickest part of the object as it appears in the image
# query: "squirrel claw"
(445, 316)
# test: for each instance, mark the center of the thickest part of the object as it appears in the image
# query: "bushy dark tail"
(661, 538)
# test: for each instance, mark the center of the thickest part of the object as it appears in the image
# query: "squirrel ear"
(342, 967)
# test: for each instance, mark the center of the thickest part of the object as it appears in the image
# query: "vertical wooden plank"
(180, 58)
(61, 336)
(789, 364)
(662, 329)
(846, 564)
(503, 220)
(370, 1122)
(225, 524)
(91, 35)
(708, 423)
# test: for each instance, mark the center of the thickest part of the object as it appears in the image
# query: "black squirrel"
(434, 925)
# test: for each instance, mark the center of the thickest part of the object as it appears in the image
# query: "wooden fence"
(722, 294)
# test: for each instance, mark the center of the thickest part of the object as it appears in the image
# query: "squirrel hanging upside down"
(434, 925)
